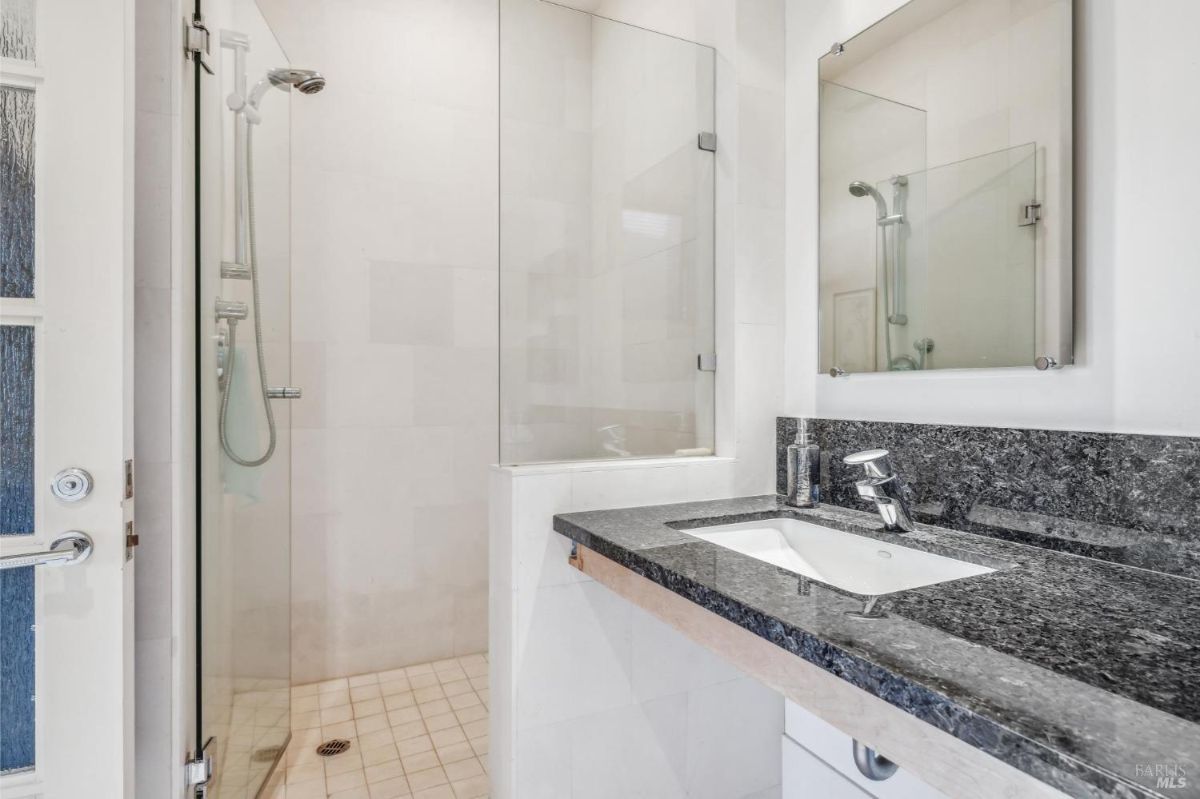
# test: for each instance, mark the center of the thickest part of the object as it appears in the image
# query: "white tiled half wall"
(419, 731)
(595, 697)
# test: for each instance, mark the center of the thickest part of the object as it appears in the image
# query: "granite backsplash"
(1131, 499)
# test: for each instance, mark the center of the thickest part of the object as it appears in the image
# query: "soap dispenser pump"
(803, 470)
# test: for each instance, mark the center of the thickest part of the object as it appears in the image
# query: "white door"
(66, 631)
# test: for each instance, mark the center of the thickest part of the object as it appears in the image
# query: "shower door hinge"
(707, 141)
(706, 362)
(196, 41)
(198, 771)
(1031, 214)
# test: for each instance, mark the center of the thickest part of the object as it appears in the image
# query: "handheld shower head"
(860, 189)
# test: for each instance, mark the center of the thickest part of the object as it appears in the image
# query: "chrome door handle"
(68, 549)
(283, 392)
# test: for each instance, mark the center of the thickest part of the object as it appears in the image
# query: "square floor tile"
(412, 746)
(429, 778)
(463, 769)
(443, 722)
(402, 732)
(452, 753)
(420, 762)
(394, 788)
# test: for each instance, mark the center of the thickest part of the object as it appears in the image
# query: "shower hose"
(231, 361)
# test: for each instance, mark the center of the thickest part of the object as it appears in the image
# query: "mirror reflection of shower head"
(861, 189)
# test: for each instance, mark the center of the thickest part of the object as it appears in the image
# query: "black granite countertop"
(1082, 673)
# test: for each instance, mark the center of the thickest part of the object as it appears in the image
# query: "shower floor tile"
(418, 732)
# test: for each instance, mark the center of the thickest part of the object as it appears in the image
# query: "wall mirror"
(945, 189)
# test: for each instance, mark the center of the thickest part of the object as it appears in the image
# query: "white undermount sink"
(853, 563)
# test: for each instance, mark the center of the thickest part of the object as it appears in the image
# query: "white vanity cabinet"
(818, 763)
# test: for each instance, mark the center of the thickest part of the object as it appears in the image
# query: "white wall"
(394, 321)
(1137, 334)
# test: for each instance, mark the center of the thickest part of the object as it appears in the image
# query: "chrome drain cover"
(334, 747)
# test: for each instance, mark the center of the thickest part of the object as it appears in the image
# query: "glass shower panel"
(968, 264)
(245, 507)
(606, 238)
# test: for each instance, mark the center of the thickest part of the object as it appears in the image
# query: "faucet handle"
(876, 462)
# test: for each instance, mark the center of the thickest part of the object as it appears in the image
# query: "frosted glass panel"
(606, 238)
(16, 187)
(16, 518)
(18, 29)
(16, 669)
(16, 430)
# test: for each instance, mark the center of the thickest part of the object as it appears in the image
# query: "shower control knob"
(71, 485)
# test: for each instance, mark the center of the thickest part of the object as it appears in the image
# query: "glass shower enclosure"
(243, 333)
(607, 175)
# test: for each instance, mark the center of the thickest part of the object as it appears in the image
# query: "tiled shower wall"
(394, 328)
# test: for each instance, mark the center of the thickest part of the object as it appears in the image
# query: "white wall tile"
(734, 722)
(411, 304)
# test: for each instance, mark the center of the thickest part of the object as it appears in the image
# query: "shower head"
(306, 81)
(860, 189)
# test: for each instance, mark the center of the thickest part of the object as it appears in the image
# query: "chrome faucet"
(883, 487)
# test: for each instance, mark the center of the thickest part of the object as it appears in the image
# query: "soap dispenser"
(803, 470)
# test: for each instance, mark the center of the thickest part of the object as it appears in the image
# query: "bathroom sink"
(853, 563)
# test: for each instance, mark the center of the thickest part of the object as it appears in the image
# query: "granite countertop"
(1082, 673)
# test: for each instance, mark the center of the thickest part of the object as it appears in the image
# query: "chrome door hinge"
(129, 479)
(706, 362)
(131, 541)
(707, 141)
(198, 771)
(196, 41)
(1031, 214)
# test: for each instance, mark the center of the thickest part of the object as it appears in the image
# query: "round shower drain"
(334, 747)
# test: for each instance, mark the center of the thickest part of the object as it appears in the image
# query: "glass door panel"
(244, 315)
